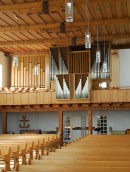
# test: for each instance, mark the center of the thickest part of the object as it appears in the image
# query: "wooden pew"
(33, 142)
(84, 158)
(55, 168)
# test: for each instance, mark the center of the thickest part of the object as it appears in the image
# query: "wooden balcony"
(110, 95)
(49, 97)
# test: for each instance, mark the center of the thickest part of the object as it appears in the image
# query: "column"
(4, 122)
(90, 122)
(61, 125)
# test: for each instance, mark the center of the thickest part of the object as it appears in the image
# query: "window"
(102, 124)
(0, 75)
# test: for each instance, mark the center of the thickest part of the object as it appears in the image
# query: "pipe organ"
(70, 70)
(29, 72)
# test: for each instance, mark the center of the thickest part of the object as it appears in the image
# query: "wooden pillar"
(61, 125)
(4, 122)
(90, 122)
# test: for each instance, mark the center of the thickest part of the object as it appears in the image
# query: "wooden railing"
(110, 95)
(49, 97)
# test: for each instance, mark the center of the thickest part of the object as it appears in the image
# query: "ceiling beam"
(29, 7)
(62, 42)
(33, 7)
(68, 26)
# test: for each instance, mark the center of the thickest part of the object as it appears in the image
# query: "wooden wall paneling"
(21, 74)
(40, 98)
(122, 95)
(47, 97)
(27, 79)
(24, 98)
(30, 74)
(95, 96)
(32, 98)
(47, 71)
(85, 61)
(70, 63)
(41, 71)
(3, 99)
(18, 78)
(17, 98)
(113, 95)
(10, 99)
(73, 58)
(76, 65)
(39, 76)
(12, 73)
(83, 64)
(35, 76)
(15, 76)
(80, 64)
(104, 95)
(82, 57)
(24, 76)
(89, 62)
(27, 71)
(128, 95)
(43, 79)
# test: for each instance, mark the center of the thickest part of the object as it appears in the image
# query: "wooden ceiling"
(27, 26)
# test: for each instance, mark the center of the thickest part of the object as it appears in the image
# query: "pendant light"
(87, 33)
(15, 59)
(98, 52)
(69, 10)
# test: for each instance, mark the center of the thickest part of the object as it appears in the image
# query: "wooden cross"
(24, 120)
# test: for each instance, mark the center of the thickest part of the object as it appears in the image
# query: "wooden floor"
(95, 153)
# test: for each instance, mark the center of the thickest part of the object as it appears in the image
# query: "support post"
(90, 122)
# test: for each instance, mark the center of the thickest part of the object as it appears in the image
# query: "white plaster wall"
(118, 120)
(76, 122)
(124, 61)
(46, 121)
(6, 70)
(0, 123)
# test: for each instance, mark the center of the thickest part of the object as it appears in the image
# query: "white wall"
(46, 121)
(6, 69)
(0, 123)
(124, 61)
(76, 122)
(118, 120)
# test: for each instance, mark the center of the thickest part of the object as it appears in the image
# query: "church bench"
(34, 143)
(88, 158)
(92, 152)
(82, 162)
(55, 168)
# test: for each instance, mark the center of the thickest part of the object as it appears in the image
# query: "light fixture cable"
(87, 33)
